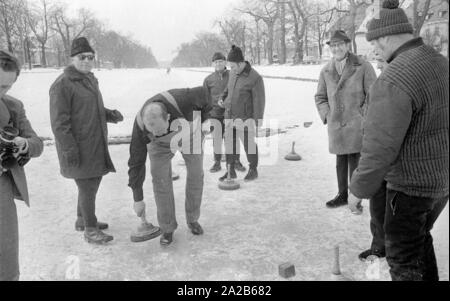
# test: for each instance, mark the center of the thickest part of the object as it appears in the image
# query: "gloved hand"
(72, 158)
(354, 204)
(139, 208)
(117, 116)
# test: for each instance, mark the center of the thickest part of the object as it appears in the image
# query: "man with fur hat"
(78, 119)
(244, 101)
(18, 143)
(405, 146)
(341, 94)
(216, 84)
(171, 121)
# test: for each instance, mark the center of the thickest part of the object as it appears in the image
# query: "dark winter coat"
(78, 119)
(245, 96)
(12, 113)
(189, 101)
(216, 84)
(340, 101)
(406, 130)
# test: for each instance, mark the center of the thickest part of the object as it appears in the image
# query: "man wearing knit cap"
(78, 119)
(216, 84)
(244, 101)
(343, 87)
(158, 126)
(405, 144)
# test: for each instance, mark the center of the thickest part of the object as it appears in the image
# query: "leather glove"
(117, 116)
(72, 158)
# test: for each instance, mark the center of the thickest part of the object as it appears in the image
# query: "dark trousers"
(248, 138)
(218, 138)
(409, 244)
(377, 205)
(9, 231)
(87, 192)
(345, 166)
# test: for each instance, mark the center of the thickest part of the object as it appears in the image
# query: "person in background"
(344, 84)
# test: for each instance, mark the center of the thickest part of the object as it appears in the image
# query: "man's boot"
(195, 227)
(233, 175)
(340, 200)
(216, 167)
(252, 175)
(96, 236)
(239, 167)
(166, 239)
(79, 225)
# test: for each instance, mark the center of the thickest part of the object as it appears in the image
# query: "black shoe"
(364, 256)
(196, 229)
(252, 175)
(239, 167)
(96, 236)
(340, 200)
(216, 167)
(79, 225)
(166, 239)
(233, 175)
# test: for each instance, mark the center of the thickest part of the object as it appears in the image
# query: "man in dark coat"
(404, 160)
(244, 101)
(14, 153)
(78, 119)
(216, 83)
(171, 121)
(343, 87)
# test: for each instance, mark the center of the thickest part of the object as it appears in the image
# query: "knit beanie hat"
(80, 45)
(235, 55)
(392, 21)
(218, 56)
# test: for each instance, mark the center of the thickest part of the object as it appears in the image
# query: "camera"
(7, 147)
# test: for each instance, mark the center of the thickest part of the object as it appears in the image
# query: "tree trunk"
(270, 28)
(43, 56)
(258, 42)
(283, 32)
(30, 63)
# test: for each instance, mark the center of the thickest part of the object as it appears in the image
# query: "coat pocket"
(392, 199)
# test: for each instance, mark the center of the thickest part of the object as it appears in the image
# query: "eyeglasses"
(336, 45)
(82, 57)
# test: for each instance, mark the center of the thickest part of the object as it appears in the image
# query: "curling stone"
(229, 183)
(307, 124)
(293, 156)
(146, 231)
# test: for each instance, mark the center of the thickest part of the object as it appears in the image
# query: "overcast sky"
(161, 24)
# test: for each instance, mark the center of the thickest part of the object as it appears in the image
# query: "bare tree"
(300, 19)
(69, 28)
(39, 20)
(419, 15)
(7, 15)
(268, 12)
(282, 8)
